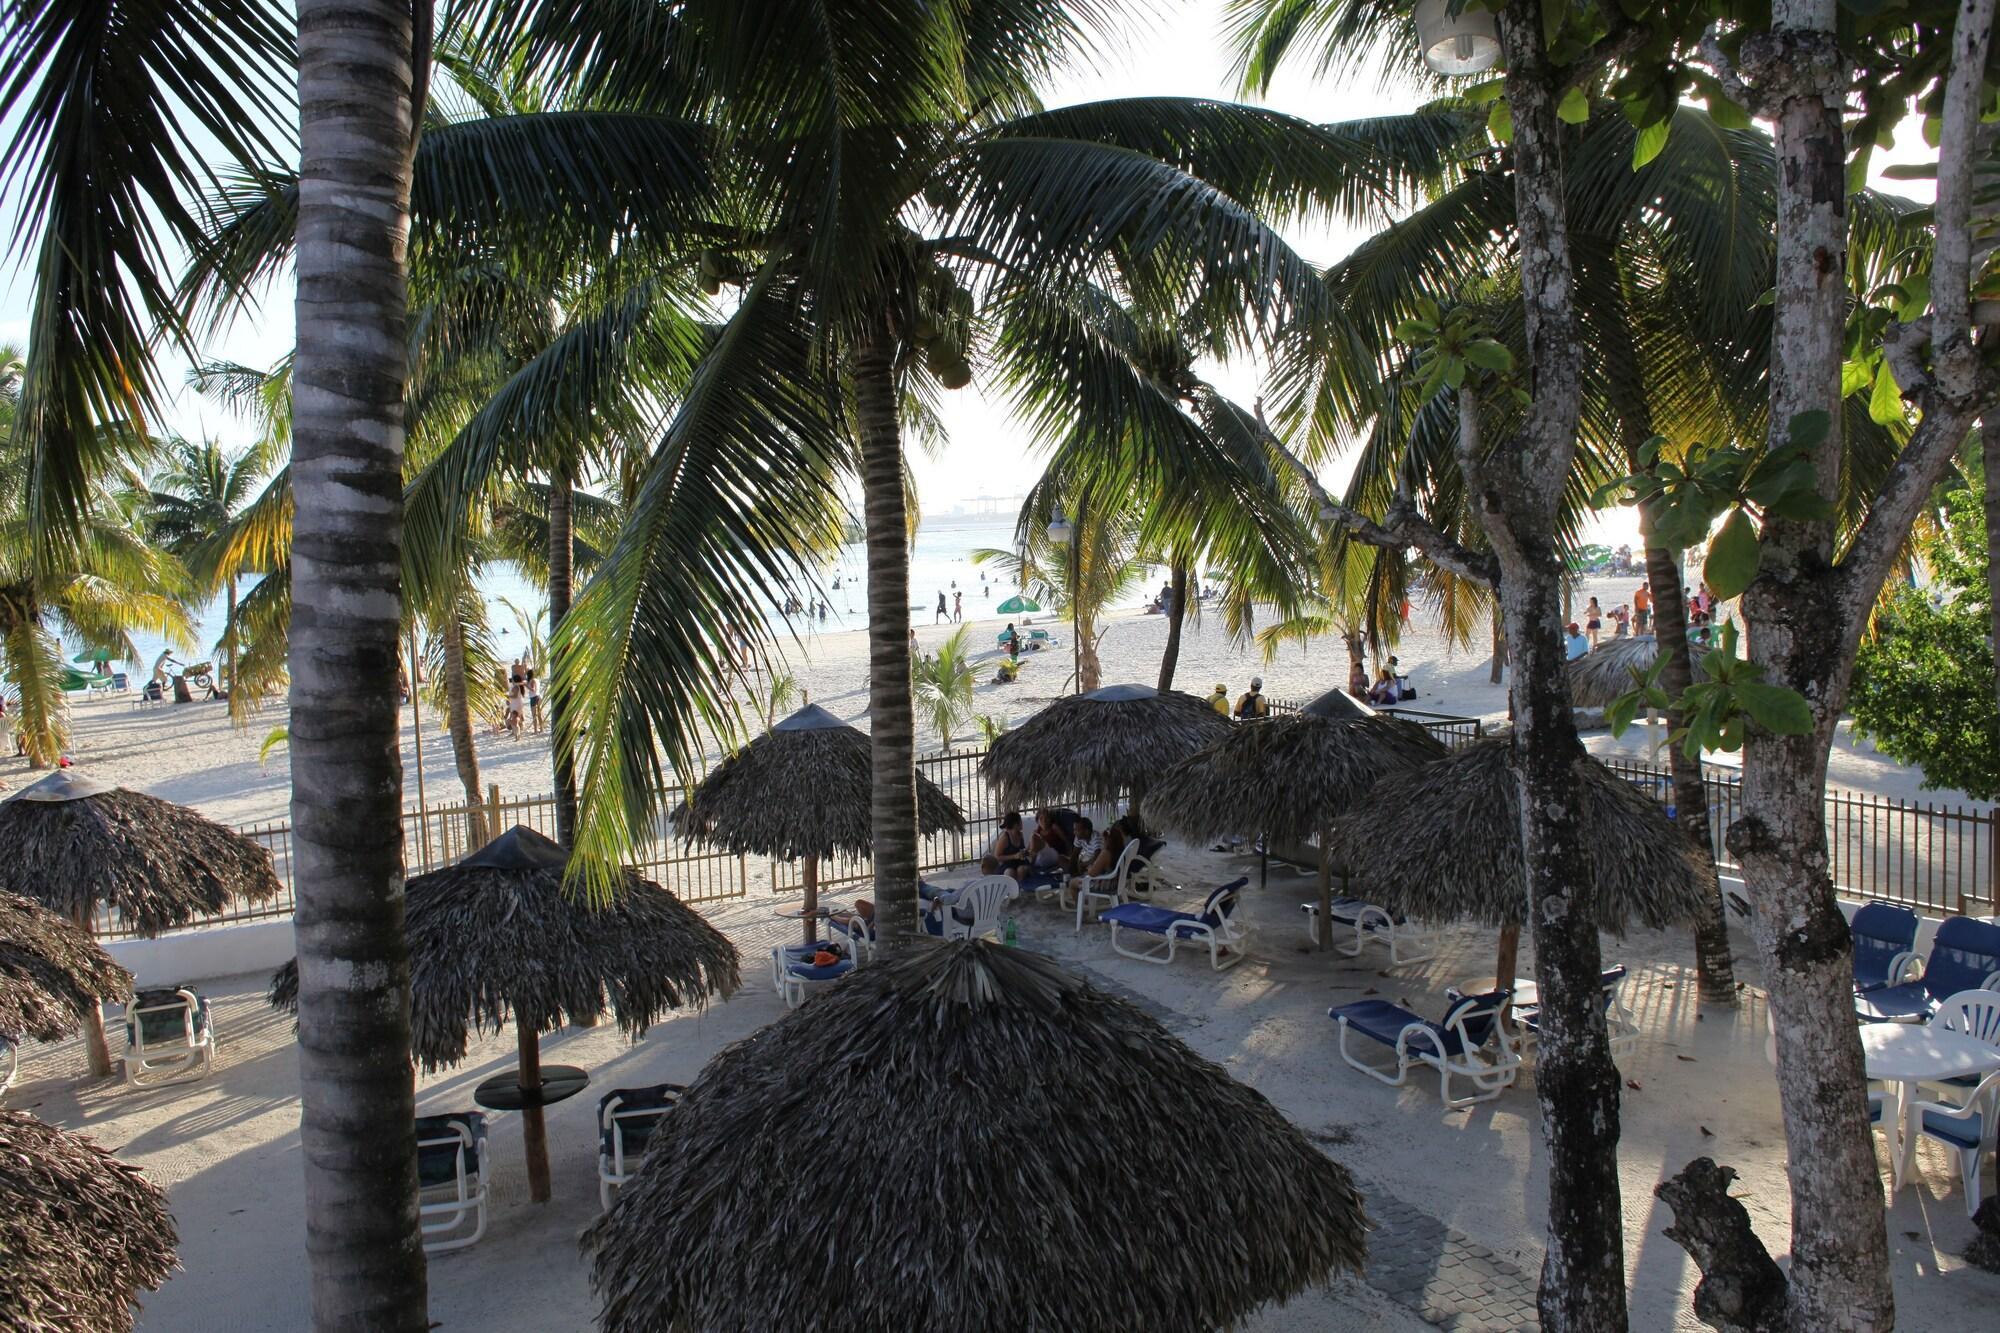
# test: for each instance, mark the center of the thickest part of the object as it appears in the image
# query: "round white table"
(1906, 1054)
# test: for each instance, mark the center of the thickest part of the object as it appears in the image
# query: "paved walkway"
(1441, 1274)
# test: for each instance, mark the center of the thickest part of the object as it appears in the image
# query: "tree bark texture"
(1176, 618)
(358, 88)
(891, 715)
(1742, 1289)
(1583, 1268)
(562, 558)
(458, 721)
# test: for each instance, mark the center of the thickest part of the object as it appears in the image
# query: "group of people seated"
(1387, 689)
(1061, 843)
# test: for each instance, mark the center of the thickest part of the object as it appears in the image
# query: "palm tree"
(1082, 577)
(191, 502)
(943, 684)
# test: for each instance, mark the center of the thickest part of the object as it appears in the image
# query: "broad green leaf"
(1500, 123)
(1454, 372)
(1489, 355)
(1916, 297)
(1733, 556)
(1855, 376)
(1479, 94)
(1574, 109)
(1555, 13)
(1649, 142)
(1885, 404)
(1808, 429)
(1416, 331)
(1775, 708)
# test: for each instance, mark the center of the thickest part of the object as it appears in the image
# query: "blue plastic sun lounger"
(1885, 937)
(626, 1120)
(1964, 956)
(1213, 927)
(1466, 1043)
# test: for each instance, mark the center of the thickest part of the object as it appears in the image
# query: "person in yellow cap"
(1219, 701)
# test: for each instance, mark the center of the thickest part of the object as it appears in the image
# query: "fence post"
(493, 829)
(1992, 864)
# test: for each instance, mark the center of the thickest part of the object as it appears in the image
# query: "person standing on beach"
(1593, 620)
(957, 608)
(941, 612)
(534, 690)
(1642, 607)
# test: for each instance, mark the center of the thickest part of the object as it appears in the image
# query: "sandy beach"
(190, 753)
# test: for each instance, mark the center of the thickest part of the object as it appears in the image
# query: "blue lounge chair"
(1964, 956)
(1407, 941)
(169, 1037)
(1885, 937)
(626, 1119)
(1623, 1028)
(1466, 1043)
(800, 979)
(1214, 926)
(451, 1156)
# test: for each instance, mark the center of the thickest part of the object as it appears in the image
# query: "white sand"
(189, 752)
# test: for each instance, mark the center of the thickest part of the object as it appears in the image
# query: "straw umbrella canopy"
(52, 973)
(1287, 777)
(1443, 843)
(73, 845)
(1605, 672)
(801, 790)
(1338, 703)
(81, 1234)
(501, 935)
(1050, 1145)
(1100, 745)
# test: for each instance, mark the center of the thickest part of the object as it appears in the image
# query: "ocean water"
(941, 560)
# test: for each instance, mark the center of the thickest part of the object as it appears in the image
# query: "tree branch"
(1724, 69)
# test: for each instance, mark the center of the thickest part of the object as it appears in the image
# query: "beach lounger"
(451, 1179)
(1965, 955)
(626, 1119)
(786, 956)
(169, 1037)
(1213, 927)
(1109, 889)
(1623, 1028)
(1407, 941)
(1464, 1044)
(1885, 940)
(801, 979)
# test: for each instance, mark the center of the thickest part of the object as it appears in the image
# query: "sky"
(1178, 49)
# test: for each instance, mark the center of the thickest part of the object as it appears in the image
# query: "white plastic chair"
(1109, 889)
(1967, 1130)
(982, 900)
(1976, 1013)
(169, 1038)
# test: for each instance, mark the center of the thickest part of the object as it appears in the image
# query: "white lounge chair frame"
(1621, 1025)
(796, 988)
(190, 1059)
(1109, 889)
(440, 1217)
(1491, 1076)
(612, 1172)
(1226, 943)
(1410, 942)
(1984, 1099)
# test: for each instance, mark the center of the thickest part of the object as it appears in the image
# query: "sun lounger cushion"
(437, 1163)
(826, 972)
(1385, 1023)
(1963, 1132)
(1153, 920)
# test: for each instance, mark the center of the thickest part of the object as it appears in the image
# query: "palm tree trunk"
(891, 718)
(229, 656)
(358, 1105)
(562, 554)
(1176, 617)
(458, 720)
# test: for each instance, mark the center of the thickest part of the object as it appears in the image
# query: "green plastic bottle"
(1012, 937)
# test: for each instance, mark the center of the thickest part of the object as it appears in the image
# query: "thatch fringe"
(1443, 843)
(1098, 746)
(51, 972)
(490, 944)
(1018, 1149)
(1287, 776)
(1605, 672)
(800, 789)
(159, 865)
(81, 1233)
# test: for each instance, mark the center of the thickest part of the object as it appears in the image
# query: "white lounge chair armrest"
(1417, 1029)
(1905, 967)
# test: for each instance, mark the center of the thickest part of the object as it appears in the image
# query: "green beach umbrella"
(98, 655)
(1020, 605)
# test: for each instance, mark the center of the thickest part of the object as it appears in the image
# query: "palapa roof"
(1097, 746)
(500, 935)
(1047, 1156)
(1605, 672)
(71, 844)
(1287, 776)
(802, 788)
(81, 1233)
(1338, 703)
(1443, 843)
(51, 972)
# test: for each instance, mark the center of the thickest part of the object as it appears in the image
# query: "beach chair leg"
(1355, 1062)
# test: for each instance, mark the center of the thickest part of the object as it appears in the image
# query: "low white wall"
(206, 952)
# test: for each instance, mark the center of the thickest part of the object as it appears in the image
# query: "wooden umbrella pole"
(1508, 960)
(1325, 889)
(534, 1129)
(96, 1049)
(811, 872)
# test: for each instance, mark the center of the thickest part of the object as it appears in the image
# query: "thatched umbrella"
(52, 974)
(1443, 843)
(801, 789)
(1039, 1155)
(1338, 703)
(81, 1233)
(500, 934)
(1287, 777)
(73, 845)
(1605, 672)
(1097, 746)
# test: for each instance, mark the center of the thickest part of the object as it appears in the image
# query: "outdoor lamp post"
(1063, 531)
(1463, 43)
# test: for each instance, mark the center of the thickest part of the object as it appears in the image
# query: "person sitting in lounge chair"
(1010, 846)
(1048, 845)
(1086, 846)
(1108, 852)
